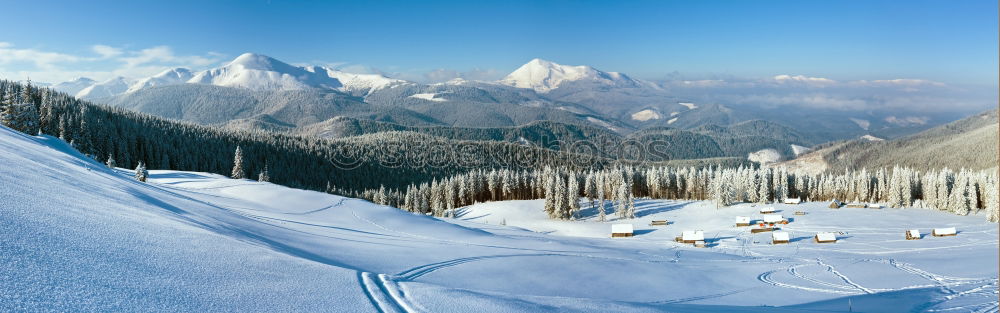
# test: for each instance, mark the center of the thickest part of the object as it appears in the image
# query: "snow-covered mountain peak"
(261, 72)
(107, 88)
(74, 86)
(544, 76)
(172, 76)
(253, 61)
(351, 82)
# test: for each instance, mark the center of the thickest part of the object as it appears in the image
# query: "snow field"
(78, 236)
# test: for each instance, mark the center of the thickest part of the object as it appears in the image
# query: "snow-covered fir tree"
(573, 195)
(264, 176)
(141, 173)
(238, 171)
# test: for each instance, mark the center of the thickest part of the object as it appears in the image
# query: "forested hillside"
(704, 142)
(127, 138)
(968, 143)
(407, 104)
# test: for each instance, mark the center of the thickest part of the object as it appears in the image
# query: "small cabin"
(621, 230)
(835, 204)
(773, 219)
(858, 205)
(699, 244)
(800, 213)
(941, 232)
(780, 237)
(825, 237)
(763, 228)
(742, 221)
(793, 200)
(766, 210)
(658, 223)
(912, 234)
(692, 236)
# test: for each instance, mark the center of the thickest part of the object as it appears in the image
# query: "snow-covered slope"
(544, 76)
(108, 88)
(168, 77)
(74, 86)
(646, 115)
(363, 83)
(78, 236)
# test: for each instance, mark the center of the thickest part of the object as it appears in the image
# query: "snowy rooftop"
(826, 236)
(772, 218)
(780, 236)
(945, 231)
(693, 235)
(621, 228)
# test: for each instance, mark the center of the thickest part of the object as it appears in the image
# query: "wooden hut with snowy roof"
(835, 204)
(767, 210)
(941, 232)
(621, 230)
(692, 236)
(793, 200)
(913, 234)
(780, 237)
(742, 221)
(773, 219)
(825, 237)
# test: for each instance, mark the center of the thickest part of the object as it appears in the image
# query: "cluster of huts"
(769, 221)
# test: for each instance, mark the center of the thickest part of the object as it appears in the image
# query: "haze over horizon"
(936, 41)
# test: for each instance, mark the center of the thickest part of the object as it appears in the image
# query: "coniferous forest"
(434, 175)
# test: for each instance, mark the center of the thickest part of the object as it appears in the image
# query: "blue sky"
(946, 41)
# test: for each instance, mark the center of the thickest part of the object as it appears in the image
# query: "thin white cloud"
(106, 51)
(801, 91)
(818, 81)
(41, 59)
(477, 74)
(105, 63)
(163, 54)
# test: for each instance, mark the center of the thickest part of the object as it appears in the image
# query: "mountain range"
(255, 91)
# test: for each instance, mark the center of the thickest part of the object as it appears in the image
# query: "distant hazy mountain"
(544, 76)
(169, 77)
(108, 88)
(74, 86)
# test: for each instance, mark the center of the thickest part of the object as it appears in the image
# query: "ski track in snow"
(704, 297)
(380, 294)
(843, 277)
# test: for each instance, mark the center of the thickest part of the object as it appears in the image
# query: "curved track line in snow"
(392, 289)
(372, 293)
(711, 296)
(416, 272)
(843, 277)
(383, 299)
(766, 278)
(792, 270)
